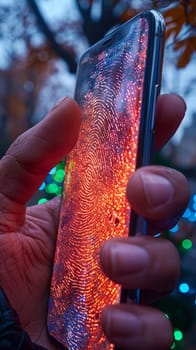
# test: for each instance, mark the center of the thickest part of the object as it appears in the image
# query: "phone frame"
(151, 89)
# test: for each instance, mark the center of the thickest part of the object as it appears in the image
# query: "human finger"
(33, 154)
(169, 114)
(159, 194)
(139, 262)
(137, 327)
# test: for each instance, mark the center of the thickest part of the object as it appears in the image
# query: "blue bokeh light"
(174, 229)
(184, 288)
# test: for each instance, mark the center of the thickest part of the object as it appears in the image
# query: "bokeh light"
(184, 288)
(178, 335)
(42, 200)
(187, 244)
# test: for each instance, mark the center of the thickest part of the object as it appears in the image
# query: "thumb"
(33, 154)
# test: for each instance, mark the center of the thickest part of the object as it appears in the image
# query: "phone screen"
(110, 92)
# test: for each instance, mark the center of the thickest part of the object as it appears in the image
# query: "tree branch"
(95, 30)
(85, 12)
(69, 59)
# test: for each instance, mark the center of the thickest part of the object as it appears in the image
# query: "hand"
(160, 195)
(28, 235)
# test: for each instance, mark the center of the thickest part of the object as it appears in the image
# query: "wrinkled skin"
(27, 234)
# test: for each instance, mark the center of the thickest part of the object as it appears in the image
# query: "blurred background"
(40, 44)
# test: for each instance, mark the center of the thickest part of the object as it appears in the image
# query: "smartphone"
(118, 81)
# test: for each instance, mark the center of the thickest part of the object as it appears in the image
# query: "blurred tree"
(33, 47)
(181, 26)
(39, 53)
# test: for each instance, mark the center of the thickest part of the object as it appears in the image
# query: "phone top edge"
(156, 23)
(157, 18)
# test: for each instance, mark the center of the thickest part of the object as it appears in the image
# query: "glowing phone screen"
(94, 207)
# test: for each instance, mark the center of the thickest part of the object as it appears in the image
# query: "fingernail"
(158, 190)
(126, 258)
(120, 324)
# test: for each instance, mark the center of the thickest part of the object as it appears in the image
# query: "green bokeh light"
(178, 335)
(187, 244)
(59, 175)
(42, 200)
(52, 188)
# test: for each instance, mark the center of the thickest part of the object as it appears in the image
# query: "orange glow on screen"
(94, 206)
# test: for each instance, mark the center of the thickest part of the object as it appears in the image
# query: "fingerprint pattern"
(94, 206)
